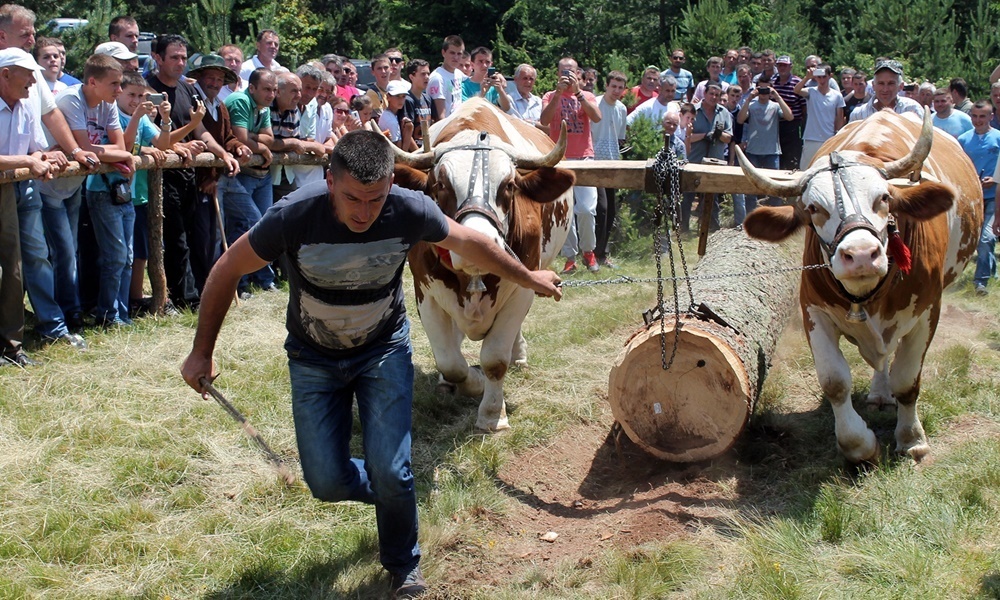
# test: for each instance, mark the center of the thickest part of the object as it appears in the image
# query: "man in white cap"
(20, 148)
(126, 58)
(888, 77)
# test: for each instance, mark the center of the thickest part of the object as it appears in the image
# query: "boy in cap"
(398, 127)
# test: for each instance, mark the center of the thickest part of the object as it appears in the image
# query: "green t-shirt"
(470, 89)
(243, 112)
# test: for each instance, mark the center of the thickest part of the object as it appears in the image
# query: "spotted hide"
(485, 173)
(872, 295)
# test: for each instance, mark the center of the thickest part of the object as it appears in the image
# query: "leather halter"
(473, 202)
(848, 223)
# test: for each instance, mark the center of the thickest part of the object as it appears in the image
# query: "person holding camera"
(578, 109)
(485, 81)
(188, 218)
(760, 116)
(824, 110)
(711, 133)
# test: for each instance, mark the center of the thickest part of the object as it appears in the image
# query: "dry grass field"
(120, 482)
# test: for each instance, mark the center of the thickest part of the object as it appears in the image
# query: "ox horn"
(421, 161)
(916, 157)
(549, 160)
(771, 187)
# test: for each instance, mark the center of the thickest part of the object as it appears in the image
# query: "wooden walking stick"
(251, 432)
(222, 234)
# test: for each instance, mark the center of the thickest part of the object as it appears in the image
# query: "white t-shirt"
(608, 130)
(249, 66)
(324, 123)
(448, 87)
(652, 109)
(389, 122)
(97, 122)
(822, 110)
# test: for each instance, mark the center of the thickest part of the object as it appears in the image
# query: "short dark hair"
(133, 78)
(958, 85)
(163, 42)
(364, 155)
(481, 50)
(45, 42)
(379, 58)
(983, 104)
(99, 66)
(452, 40)
(264, 32)
(616, 76)
(413, 65)
(119, 23)
(259, 74)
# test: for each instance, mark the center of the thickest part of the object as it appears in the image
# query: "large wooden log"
(697, 408)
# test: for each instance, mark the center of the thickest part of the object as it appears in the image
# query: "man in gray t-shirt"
(346, 243)
(760, 115)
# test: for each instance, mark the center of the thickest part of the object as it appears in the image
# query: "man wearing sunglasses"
(685, 81)
(396, 62)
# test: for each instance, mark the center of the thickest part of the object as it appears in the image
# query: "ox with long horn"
(425, 160)
(795, 187)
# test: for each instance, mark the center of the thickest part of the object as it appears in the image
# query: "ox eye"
(811, 209)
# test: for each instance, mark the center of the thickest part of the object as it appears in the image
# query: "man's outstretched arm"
(216, 298)
(478, 249)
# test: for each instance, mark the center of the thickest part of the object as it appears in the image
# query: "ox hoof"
(880, 403)
(915, 451)
(521, 363)
(865, 452)
(445, 387)
(492, 426)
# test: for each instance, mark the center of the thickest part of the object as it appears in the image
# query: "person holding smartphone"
(760, 116)
(486, 82)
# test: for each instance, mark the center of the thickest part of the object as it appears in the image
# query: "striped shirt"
(794, 101)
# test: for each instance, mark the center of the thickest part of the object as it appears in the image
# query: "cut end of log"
(693, 411)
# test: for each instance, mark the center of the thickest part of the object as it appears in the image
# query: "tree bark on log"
(157, 275)
(697, 408)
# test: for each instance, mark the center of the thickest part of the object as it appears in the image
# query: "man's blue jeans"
(39, 277)
(750, 201)
(322, 392)
(114, 226)
(61, 219)
(986, 262)
(244, 199)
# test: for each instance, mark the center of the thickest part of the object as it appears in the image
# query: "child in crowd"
(143, 138)
(48, 57)
(363, 106)
(92, 115)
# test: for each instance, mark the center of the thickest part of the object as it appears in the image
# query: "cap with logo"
(15, 57)
(115, 50)
(784, 59)
(397, 87)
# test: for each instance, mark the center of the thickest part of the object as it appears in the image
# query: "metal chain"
(625, 279)
(667, 168)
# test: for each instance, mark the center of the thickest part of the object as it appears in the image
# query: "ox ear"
(921, 202)
(410, 178)
(545, 184)
(774, 223)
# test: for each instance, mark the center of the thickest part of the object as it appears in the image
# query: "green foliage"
(209, 25)
(706, 29)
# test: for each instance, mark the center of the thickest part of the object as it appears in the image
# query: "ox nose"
(860, 258)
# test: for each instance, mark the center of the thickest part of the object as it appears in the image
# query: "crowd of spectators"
(78, 245)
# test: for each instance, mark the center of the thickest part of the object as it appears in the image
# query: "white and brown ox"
(845, 201)
(496, 175)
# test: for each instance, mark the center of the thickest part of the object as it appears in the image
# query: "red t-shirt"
(640, 97)
(578, 142)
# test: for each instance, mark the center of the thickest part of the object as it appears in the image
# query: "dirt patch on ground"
(596, 490)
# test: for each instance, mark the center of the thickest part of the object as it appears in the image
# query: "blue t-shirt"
(685, 81)
(983, 150)
(345, 288)
(145, 133)
(956, 124)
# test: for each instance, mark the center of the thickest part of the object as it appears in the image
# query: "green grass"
(120, 482)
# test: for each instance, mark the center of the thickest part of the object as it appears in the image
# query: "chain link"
(625, 279)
